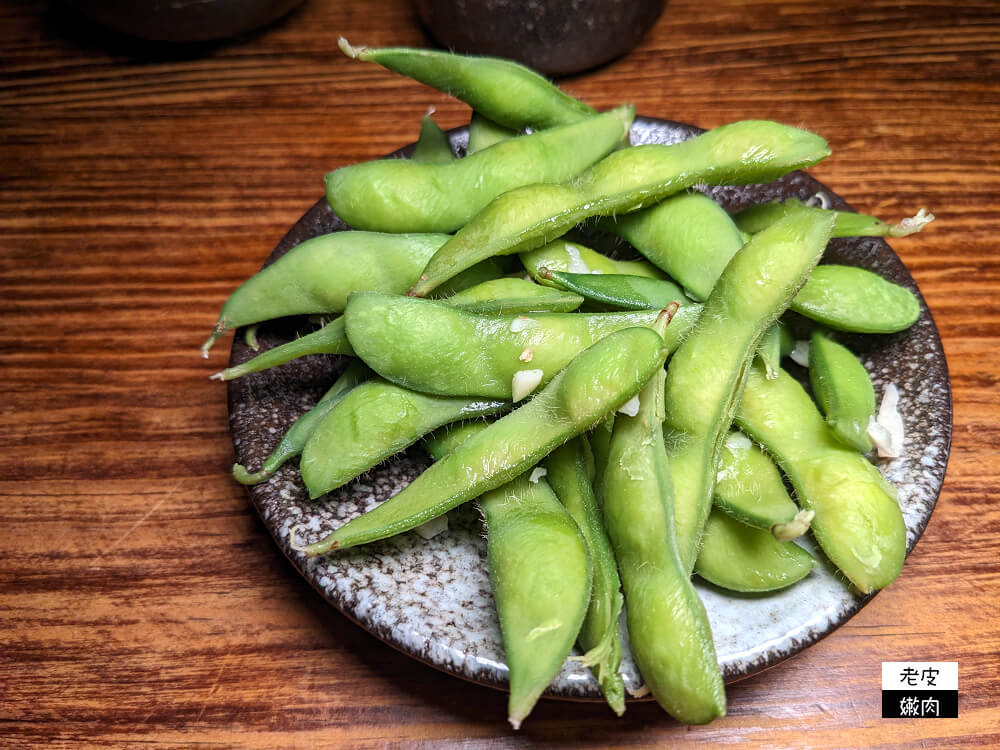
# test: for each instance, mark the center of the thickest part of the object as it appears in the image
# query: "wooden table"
(142, 600)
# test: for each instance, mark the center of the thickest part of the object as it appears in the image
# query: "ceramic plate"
(431, 599)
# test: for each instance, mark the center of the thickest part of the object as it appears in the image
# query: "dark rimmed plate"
(431, 598)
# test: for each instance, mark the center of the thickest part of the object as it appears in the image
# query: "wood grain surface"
(141, 599)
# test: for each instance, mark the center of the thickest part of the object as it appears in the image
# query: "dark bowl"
(184, 20)
(555, 37)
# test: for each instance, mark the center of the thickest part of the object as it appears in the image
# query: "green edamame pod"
(540, 572)
(688, 235)
(854, 299)
(330, 339)
(787, 340)
(669, 633)
(513, 295)
(620, 290)
(857, 519)
(599, 637)
(848, 223)
(707, 371)
(487, 270)
(572, 257)
(299, 433)
(748, 485)
(434, 348)
(495, 295)
(502, 90)
(317, 275)
(541, 577)
(400, 195)
(692, 238)
(769, 349)
(738, 153)
(445, 439)
(484, 133)
(843, 389)
(745, 559)
(371, 423)
(250, 337)
(597, 381)
(599, 440)
(528, 217)
(433, 146)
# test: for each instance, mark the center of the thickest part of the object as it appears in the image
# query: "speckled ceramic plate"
(431, 599)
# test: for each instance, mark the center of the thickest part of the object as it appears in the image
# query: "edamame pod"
(572, 257)
(541, 577)
(843, 390)
(620, 290)
(599, 636)
(487, 270)
(748, 485)
(539, 568)
(484, 133)
(528, 217)
(854, 299)
(599, 440)
(786, 339)
(372, 422)
(299, 433)
(445, 439)
(688, 235)
(513, 295)
(317, 275)
(706, 372)
(847, 224)
(400, 195)
(433, 146)
(330, 339)
(597, 381)
(250, 337)
(485, 297)
(692, 238)
(432, 347)
(742, 558)
(857, 519)
(669, 633)
(502, 90)
(769, 349)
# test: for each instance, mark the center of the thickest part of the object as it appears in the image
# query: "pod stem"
(221, 326)
(350, 50)
(293, 539)
(911, 224)
(324, 545)
(602, 649)
(786, 532)
(664, 318)
(230, 373)
(250, 337)
(241, 475)
(413, 291)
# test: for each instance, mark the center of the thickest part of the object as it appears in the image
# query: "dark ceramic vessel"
(431, 598)
(164, 21)
(555, 37)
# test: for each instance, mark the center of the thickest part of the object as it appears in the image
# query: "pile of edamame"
(622, 424)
